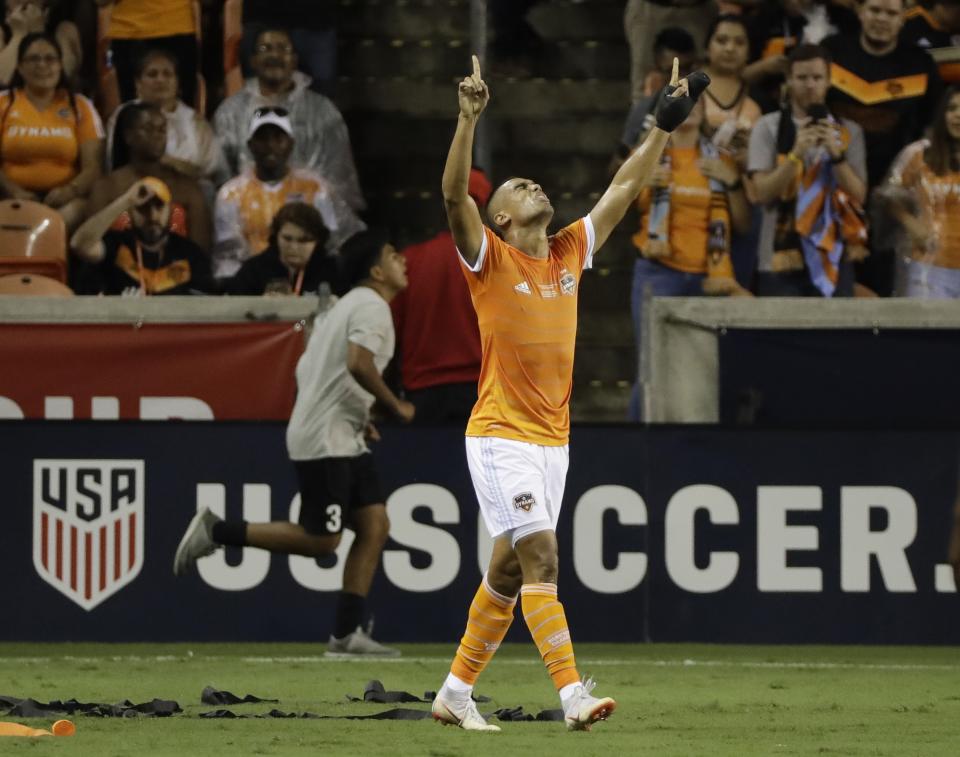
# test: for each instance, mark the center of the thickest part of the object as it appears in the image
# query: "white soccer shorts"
(519, 486)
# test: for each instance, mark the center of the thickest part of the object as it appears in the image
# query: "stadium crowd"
(824, 160)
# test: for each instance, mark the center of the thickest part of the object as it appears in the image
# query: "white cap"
(264, 116)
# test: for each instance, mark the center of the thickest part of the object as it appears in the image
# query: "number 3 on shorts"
(334, 516)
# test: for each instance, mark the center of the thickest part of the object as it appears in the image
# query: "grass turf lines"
(673, 700)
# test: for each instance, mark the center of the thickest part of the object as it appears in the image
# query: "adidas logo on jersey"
(523, 287)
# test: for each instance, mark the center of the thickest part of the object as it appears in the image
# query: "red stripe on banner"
(87, 564)
(43, 541)
(238, 359)
(116, 550)
(133, 540)
(73, 557)
(59, 549)
(103, 558)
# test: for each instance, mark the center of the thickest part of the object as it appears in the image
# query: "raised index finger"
(476, 66)
(675, 76)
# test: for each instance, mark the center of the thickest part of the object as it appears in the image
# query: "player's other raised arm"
(462, 213)
(672, 110)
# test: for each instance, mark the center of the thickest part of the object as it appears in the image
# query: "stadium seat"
(232, 37)
(33, 239)
(29, 284)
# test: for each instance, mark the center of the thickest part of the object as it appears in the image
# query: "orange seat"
(29, 284)
(232, 37)
(33, 239)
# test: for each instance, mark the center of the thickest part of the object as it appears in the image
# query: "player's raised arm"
(672, 110)
(462, 213)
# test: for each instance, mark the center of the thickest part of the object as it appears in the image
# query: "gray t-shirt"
(762, 156)
(332, 409)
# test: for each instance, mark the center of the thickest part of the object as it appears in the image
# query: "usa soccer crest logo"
(88, 526)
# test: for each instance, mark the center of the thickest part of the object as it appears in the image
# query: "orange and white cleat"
(583, 710)
(463, 713)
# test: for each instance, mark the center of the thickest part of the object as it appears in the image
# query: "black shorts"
(332, 487)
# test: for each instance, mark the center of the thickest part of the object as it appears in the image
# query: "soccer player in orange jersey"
(524, 286)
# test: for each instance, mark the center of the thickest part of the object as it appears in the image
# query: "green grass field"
(673, 700)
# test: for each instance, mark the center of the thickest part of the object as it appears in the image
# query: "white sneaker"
(454, 711)
(359, 644)
(197, 542)
(583, 710)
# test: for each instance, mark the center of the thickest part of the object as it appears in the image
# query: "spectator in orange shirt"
(137, 26)
(923, 195)
(50, 138)
(692, 202)
(25, 17)
(138, 152)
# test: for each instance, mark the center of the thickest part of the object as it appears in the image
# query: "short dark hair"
(805, 52)
(305, 217)
(128, 116)
(724, 18)
(271, 30)
(674, 38)
(360, 253)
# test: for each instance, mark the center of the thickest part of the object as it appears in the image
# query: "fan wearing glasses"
(322, 142)
(247, 204)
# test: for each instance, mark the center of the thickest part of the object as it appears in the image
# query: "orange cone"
(60, 728)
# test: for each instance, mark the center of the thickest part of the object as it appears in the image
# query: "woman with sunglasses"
(192, 148)
(51, 139)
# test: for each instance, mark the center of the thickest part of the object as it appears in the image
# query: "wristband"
(738, 184)
(838, 161)
(795, 159)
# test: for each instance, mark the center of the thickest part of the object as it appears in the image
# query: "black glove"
(673, 111)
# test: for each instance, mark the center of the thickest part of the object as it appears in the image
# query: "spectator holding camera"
(923, 195)
(808, 171)
(50, 138)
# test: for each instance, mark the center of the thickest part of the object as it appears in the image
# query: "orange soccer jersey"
(527, 312)
(40, 149)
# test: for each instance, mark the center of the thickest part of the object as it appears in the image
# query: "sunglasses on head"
(274, 110)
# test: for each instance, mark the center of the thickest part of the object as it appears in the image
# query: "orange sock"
(548, 626)
(490, 617)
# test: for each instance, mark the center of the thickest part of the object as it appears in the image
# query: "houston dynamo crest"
(88, 526)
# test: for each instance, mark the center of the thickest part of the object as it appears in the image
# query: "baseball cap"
(279, 117)
(160, 190)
